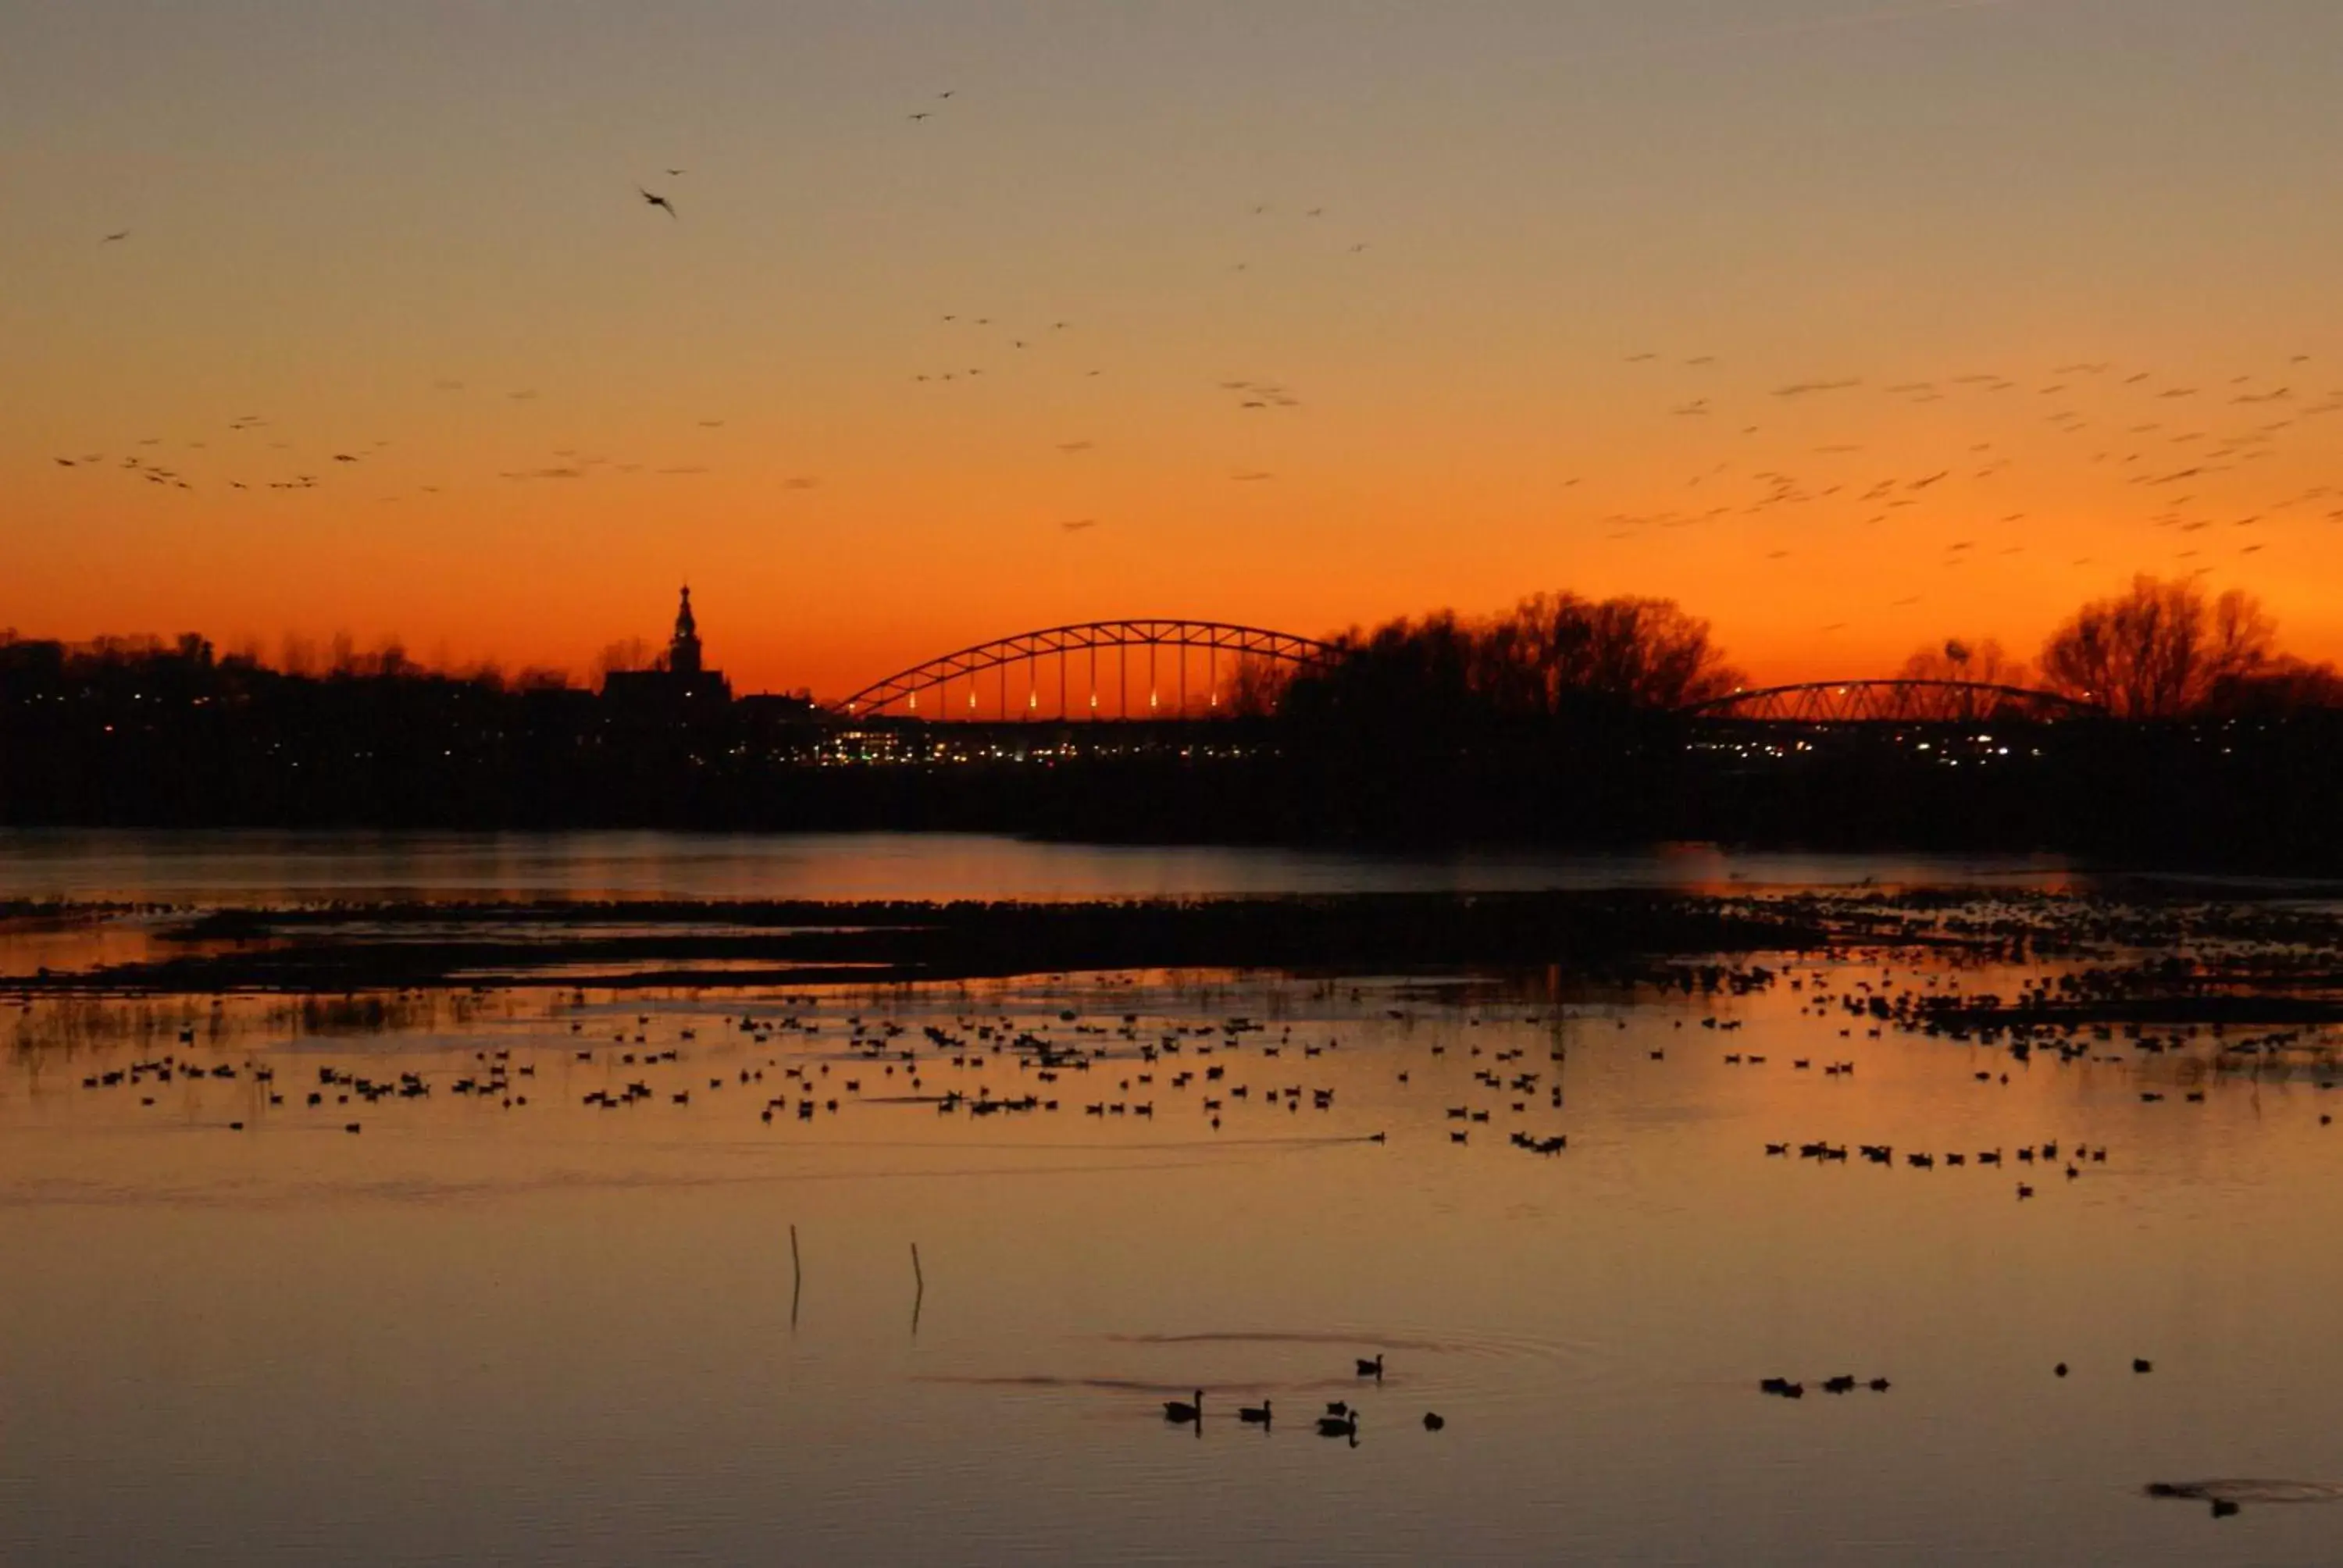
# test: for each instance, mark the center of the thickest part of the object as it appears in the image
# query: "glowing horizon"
(1845, 325)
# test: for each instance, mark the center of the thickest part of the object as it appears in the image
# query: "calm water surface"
(259, 867)
(474, 1332)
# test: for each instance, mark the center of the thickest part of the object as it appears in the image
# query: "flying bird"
(116, 237)
(657, 201)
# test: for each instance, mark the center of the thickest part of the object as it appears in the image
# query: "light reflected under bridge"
(1113, 669)
(1169, 669)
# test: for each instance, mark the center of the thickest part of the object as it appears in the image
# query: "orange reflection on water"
(553, 1322)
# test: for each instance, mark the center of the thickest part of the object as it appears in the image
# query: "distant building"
(680, 679)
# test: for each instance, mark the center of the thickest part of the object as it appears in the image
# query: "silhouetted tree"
(1258, 688)
(2160, 650)
(1551, 655)
(1557, 651)
(619, 657)
(2282, 686)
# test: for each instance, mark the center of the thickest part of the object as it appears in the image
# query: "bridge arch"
(1171, 691)
(1894, 702)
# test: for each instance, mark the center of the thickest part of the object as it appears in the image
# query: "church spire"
(683, 652)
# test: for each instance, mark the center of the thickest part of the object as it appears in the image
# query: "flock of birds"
(1129, 1067)
(1340, 1418)
(570, 463)
(2186, 456)
(1005, 1065)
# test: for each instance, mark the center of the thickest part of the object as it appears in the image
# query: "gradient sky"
(410, 235)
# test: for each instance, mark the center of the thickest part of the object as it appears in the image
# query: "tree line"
(2160, 649)
(1559, 719)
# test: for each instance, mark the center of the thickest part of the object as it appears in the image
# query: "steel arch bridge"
(898, 695)
(1894, 702)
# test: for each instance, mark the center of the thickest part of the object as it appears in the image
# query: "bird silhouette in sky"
(657, 201)
(116, 238)
(676, 173)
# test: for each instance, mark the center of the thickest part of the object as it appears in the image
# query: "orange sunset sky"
(1848, 325)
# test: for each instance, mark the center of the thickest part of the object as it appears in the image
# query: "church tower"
(681, 683)
(683, 651)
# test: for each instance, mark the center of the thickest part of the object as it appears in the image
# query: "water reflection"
(245, 866)
(507, 1322)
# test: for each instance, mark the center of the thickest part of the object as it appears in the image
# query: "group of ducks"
(1847, 1383)
(1885, 1155)
(1341, 1419)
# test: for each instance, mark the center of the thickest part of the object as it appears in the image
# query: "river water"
(522, 1325)
(236, 867)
